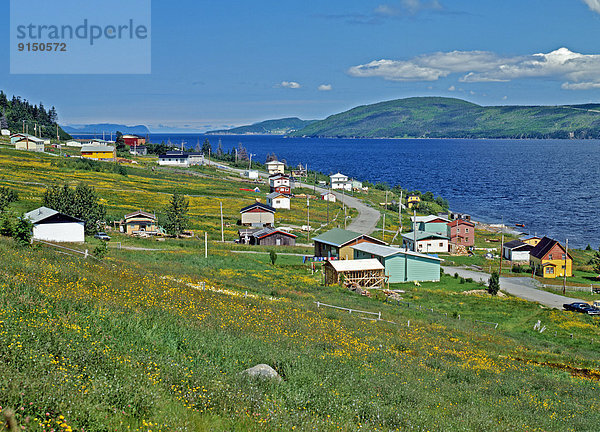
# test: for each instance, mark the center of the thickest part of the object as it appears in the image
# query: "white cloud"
(325, 87)
(290, 84)
(504, 97)
(594, 5)
(579, 71)
(451, 88)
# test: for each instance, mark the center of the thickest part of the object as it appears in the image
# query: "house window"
(549, 270)
(458, 230)
(441, 245)
(550, 256)
(564, 256)
(466, 230)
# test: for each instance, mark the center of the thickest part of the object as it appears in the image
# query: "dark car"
(581, 308)
(102, 236)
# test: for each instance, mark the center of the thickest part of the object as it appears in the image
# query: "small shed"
(278, 200)
(401, 265)
(367, 273)
(30, 144)
(50, 225)
(328, 196)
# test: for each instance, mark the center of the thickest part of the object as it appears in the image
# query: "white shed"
(5, 132)
(516, 250)
(50, 225)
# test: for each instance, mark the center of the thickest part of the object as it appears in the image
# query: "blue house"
(401, 265)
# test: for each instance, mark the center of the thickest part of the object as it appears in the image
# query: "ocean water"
(550, 186)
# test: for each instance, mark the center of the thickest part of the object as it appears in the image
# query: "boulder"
(263, 371)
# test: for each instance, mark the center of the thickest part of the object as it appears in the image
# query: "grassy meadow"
(155, 337)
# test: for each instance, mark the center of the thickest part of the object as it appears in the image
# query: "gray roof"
(422, 235)
(386, 251)
(97, 148)
(40, 214)
(276, 194)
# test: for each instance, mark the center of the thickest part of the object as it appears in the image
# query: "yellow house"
(139, 223)
(550, 260)
(413, 201)
(99, 152)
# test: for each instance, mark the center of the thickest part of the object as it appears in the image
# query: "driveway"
(521, 287)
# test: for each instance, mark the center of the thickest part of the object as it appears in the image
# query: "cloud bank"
(578, 71)
(290, 84)
(594, 5)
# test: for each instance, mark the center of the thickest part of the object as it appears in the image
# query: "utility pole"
(385, 208)
(23, 126)
(501, 246)
(222, 229)
(205, 245)
(400, 213)
(315, 184)
(328, 196)
(565, 271)
(344, 204)
(308, 215)
(415, 230)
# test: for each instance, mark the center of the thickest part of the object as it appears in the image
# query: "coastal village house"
(413, 201)
(339, 181)
(258, 215)
(50, 225)
(328, 196)
(280, 183)
(425, 242)
(30, 144)
(250, 174)
(461, 232)
(364, 273)
(181, 159)
(464, 216)
(337, 243)
(134, 140)
(139, 150)
(99, 152)
(401, 265)
(139, 223)
(278, 200)
(275, 167)
(267, 236)
(549, 259)
(516, 250)
(431, 223)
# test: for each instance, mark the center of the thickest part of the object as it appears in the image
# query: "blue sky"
(224, 63)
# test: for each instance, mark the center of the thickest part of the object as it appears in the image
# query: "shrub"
(455, 275)
(516, 268)
(101, 250)
(494, 283)
(462, 280)
(6, 224)
(273, 257)
(23, 231)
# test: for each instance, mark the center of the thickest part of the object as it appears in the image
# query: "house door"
(277, 242)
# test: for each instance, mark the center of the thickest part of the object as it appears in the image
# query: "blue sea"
(550, 186)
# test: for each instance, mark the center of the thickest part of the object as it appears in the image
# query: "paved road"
(521, 287)
(364, 223)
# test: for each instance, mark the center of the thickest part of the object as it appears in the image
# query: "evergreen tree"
(206, 147)
(198, 148)
(176, 220)
(494, 283)
(120, 142)
(7, 196)
(81, 202)
(3, 121)
(595, 262)
(242, 153)
(220, 151)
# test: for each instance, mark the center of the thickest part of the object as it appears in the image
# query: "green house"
(401, 265)
(432, 224)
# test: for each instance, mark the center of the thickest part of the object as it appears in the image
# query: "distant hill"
(437, 117)
(106, 127)
(282, 126)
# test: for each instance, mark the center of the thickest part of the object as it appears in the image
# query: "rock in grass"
(263, 371)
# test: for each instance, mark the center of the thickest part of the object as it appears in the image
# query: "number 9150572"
(43, 47)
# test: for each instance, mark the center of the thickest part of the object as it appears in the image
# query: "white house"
(73, 144)
(275, 167)
(50, 225)
(279, 180)
(517, 250)
(278, 201)
(340, 181)
(328, 196)
(5, 132)
(426, 242)
(180, 159)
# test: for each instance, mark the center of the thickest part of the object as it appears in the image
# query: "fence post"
(318, 304)
(408, 323)
(459, 317)
(379, 316)
(85, 255)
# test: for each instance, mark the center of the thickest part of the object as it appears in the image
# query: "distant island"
(98, 128)
(284, 126)
(438, 117)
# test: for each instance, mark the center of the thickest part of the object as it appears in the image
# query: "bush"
(101, 250)
(469, 280)
(455, 275)
(273, 257)
(7, 224)
(462, 280)
(516, 268)
(494, 283)
(23, 231)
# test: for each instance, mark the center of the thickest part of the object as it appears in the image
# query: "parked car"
(581, 308)
(102, 236)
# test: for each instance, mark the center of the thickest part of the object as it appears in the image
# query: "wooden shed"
(365, 273)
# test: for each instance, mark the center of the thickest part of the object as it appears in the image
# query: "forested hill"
(436, 117)
(15, 110)
(269, 127)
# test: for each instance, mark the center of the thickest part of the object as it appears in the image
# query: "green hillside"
(268, 127)
(17, 113)
(437, 117)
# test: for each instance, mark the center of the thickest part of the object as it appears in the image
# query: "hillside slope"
(268, 127)
(106, 127)
(436, 117)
